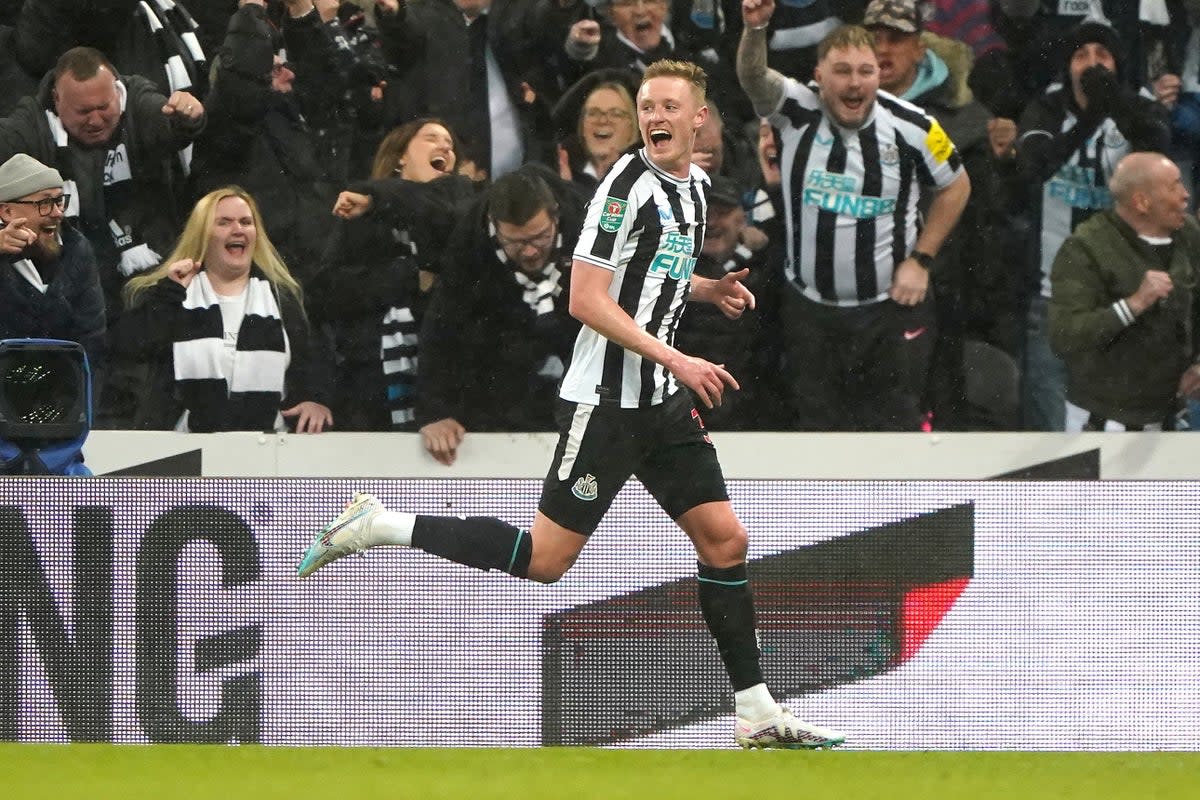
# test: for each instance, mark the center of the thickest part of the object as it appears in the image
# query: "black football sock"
(481, 542)
(728, 608)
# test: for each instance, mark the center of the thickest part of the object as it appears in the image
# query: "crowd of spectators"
(359, 214)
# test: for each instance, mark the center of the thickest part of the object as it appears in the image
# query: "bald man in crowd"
(1123, 292)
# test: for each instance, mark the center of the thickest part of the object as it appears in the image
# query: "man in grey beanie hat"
(49, 286)
(33, 187)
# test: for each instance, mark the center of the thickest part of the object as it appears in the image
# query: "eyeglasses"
(607, 115)
(539, 241)
(634, 3)
(45, 204)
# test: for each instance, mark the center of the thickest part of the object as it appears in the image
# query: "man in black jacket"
(114, 140)
(258, 135)
(497, 332)
(471, 63)
(48, 283)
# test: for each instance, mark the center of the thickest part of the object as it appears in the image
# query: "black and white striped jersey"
(647, 226)
(1078, 189)
(850, 195)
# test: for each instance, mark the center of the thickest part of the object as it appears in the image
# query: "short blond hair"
(846, 37)
(692, 73)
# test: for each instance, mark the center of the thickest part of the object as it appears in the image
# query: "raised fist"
(1102, 90)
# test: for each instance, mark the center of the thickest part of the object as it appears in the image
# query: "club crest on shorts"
(613, 213)
(585, 488)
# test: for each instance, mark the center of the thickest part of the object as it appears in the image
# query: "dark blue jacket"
(72, 307)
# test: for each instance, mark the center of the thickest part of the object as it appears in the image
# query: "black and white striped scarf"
(135, 254)
(540, 291)
(183, 61)
(250, 398)
(174, 34)
(398, 352)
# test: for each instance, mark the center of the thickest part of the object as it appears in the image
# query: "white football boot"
(350, 532)
(784, 731)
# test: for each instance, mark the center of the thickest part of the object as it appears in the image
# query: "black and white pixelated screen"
(914, 615)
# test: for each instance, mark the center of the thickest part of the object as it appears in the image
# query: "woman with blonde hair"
(595, 123)
(226, 315)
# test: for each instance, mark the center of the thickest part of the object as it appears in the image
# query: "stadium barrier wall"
(864, 456)
(912, 615)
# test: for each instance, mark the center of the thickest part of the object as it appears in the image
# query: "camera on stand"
(45, 407)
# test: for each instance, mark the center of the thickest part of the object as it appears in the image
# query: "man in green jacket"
(1122, 302)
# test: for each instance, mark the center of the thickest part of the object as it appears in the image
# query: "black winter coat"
(72, 307)
(482, 345)
(147, 333)
(258, 139)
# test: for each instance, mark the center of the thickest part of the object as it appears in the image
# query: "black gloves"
(1103, 92)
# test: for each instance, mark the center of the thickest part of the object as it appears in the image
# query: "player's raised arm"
(763, 85)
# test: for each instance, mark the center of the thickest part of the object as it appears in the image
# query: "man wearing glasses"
(49, 287)
(497, 332)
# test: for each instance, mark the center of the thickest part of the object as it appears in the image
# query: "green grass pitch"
(161, 772)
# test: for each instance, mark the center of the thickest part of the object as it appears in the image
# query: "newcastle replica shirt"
(647, 227)
(850, 194)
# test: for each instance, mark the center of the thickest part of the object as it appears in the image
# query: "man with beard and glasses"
(857, 316)
(623, 409)
(49, 287)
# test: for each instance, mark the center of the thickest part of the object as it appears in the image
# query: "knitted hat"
(22, 175)
(1091, 30)
(899, 15)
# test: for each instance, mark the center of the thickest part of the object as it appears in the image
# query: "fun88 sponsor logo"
(1077, 187)
(832, 191)
(674, 258)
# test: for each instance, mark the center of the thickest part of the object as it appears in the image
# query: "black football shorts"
(599, 447)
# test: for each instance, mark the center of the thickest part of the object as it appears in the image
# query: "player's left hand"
(183, 104)
(910, 283)
(706, 379)
(311, 417)
(731, 295)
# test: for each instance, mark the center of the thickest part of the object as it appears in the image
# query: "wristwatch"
(924, 259)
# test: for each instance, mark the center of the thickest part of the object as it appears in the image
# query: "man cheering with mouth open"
(857, 318)
(49, 286)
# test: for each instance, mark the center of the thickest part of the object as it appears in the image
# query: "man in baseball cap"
(896, 25)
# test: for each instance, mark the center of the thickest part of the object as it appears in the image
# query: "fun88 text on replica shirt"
(850, 194)
(647, 226)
